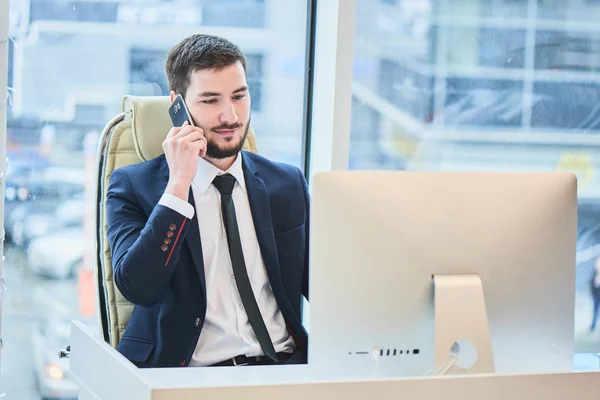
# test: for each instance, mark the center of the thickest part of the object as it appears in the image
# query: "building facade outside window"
(72, 64)
(486, 85)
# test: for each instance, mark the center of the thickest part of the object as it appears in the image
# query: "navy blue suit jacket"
(165, 278)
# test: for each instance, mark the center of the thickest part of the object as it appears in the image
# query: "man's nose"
(228, 114)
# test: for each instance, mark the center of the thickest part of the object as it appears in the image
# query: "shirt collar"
(207, 172)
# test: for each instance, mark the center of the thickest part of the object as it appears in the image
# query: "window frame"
(327, 137)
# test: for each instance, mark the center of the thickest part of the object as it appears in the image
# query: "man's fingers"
(187, 136)
(176, 129)
(187, 130)
(202, 144)
(202, 152)
(183, 132)
(193, 136)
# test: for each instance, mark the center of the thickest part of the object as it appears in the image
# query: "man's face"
(219, 103)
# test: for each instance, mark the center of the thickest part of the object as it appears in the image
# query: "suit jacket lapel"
(261, 214)
(192, 237)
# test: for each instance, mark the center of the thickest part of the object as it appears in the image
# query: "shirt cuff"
(175, 203)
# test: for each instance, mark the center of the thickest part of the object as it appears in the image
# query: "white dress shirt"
(227, 331)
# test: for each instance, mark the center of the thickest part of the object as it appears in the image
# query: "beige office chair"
(134, 136)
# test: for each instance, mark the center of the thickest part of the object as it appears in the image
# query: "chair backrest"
(134, 136)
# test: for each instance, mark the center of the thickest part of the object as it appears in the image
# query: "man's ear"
(172, 96)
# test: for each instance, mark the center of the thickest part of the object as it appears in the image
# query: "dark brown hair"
(199, 52)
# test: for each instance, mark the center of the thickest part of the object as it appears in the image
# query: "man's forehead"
(230, 73)
(225, 80)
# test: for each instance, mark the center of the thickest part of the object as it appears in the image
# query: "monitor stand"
(461, 324)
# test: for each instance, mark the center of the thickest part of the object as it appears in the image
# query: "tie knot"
(224, 183)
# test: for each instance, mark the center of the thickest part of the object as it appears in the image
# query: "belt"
(242, 360)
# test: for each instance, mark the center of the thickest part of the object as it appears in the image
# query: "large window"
(485, 85)
(72, 63)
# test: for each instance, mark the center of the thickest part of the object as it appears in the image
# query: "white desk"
(103, 373)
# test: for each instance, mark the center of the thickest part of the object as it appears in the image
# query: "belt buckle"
(235, 363)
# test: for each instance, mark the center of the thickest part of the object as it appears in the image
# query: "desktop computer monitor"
(405, 264)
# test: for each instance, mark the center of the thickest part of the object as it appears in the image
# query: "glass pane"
(483, 102)
(72, 64)
(568, 10)
(567, 51)
(503, 8)
(406, 88)
(486, 47)
(571, 106)
(488, 85)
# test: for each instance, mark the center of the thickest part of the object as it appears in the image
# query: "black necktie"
(224, 185)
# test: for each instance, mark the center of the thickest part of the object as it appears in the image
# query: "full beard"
(218, 152)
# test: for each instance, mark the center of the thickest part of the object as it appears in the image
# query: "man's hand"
(182, 146)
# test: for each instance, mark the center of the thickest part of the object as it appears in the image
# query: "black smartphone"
(179, 112)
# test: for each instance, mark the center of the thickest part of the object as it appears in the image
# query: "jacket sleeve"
(144, 250)
(305, 283)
